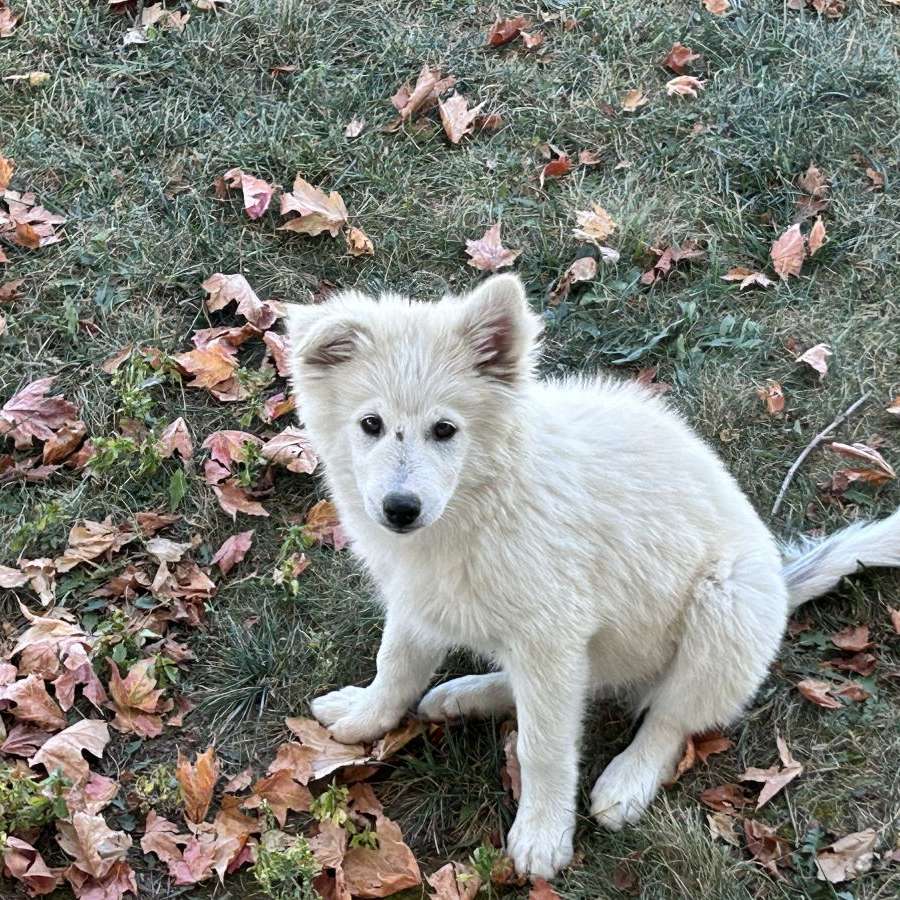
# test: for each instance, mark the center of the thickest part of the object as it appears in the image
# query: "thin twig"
(811, 446)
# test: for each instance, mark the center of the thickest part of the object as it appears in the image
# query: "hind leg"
(480, 696)
(731, 634)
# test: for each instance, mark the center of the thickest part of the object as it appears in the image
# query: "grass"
(126, 143)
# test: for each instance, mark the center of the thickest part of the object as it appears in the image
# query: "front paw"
(354, 715)
(538, 848)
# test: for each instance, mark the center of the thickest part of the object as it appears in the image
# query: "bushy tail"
(812, 567)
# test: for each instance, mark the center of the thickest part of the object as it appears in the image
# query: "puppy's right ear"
(321, 336)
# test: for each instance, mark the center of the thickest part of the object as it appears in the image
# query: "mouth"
(402, 529)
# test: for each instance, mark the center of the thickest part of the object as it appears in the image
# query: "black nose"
(401, 508)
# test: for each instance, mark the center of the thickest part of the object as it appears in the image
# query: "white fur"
(575, 532)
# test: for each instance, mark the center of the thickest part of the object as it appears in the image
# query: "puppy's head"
(406, 400)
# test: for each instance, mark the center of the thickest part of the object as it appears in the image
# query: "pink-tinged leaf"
(817, 358)
(224, 289)
(232, 551)
(853, 638)
(816, 236)
(78, 669)
(775, 778)
(197, 781)
(227, 447)
(318, 212)
(93, 845)
(788, 252)
(175, 439)
(257, 193)
(234, 499)
(684, 86)
(23, 863)
(456, 117)
(278, 350)
(32, 414)
(818, 692)
(488, 254)
(847, 858)
(503, 31)
(679, 57)
(33, 705)
(291, 449)
(136, 699)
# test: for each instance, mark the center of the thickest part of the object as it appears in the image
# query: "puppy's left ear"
(500, 329)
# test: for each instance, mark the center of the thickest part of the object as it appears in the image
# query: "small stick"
(811, 446)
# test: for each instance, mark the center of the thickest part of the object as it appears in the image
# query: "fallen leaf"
(12, 578)
(278, 350)
(503, 31)
(669, 257)
(773, 396)
(10, 290)
(277, 405)
(28, 224)
(63, 750)
(93, 845)
(895, 619)
(212, 366)
(511, 773)
(291, 449)
(556, 168)
(817, 358)
(197, 783)
(318, 212)
(847, 858)
(634, 99)
(359, 243)
(6, 168)
(381, 871)
(853, 692)
(684, 86)
(728, 798)
(162, 838)
(747, 277)
(23, 740)
(816, 236)
(223, 289)
(709, 744)
(594, 225)
(135, 699)
(814, 190)
(818, 692)
(774, 779)
(876, 179)
(456, 117)
(32, 414)
(33, 705)
(89, 540)
(766, 847)
(867, 454)
(354, 127)
(409, 101)
(721, 826)
(532, 39)
(679, 57)
(326, 754)
(234, 499)
(861, 663)
(41, 574)
(78, 669)
(488, 253)
(788, 253)
(256, 192)
(117, 882)
(175, 438)
(853, 638)
(65, 442)
(541, 890)
(281, 792)
(582, 269)
(239, 782)
(20, 860)
(717, 7)
(454, 881)
(232, 551)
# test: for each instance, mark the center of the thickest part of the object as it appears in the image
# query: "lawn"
(127, 142)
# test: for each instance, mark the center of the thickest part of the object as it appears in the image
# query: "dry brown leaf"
(32, 414)
(278, 405)
(175, 438)
(876, 179)
(816, 236)
(381, 871)
(162, 838)
(774, 779)
(78, 669)
(318, 212)
(684, 86)
(773, 396)
(281, 792)
(92, 844)
(229, 446)
(853, 692)
(10, 290)
(895, 619)
(65, 442)
(594, 225)
(41, 574)
(224, 289)
(717, 7)
(327, 754)
(679, 57)
(556, 168)
(6, 171)
(634, 99)
(291, 449)
(818, 692)
(867, 454)
(197, 782)
(397, 738)
(256, 192)
(582, 269)
(63, 750)
(853, 638)
(766, 847)
(456, 117)
(454, 881)
(488, 253)
(727, 798)
(234, 499)
(278, 350)
(532, 39)
(817, 358)
(12, 578)
(861, 663)
(28, 224)
(847, 858)
(212, 366)
(505, 30)
(90, 540)
(24, 863)
(721, 826)
(358, 242)
(232, 551)
(511, 773)
(541, 890)
(410, 100)
(136, 699)
(33, 705)
(240, 781)
(747, 277)
(788, 253)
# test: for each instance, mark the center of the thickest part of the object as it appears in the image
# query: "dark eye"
(443, 431)
(371, 425)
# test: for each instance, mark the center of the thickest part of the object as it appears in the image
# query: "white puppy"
(575, 532)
